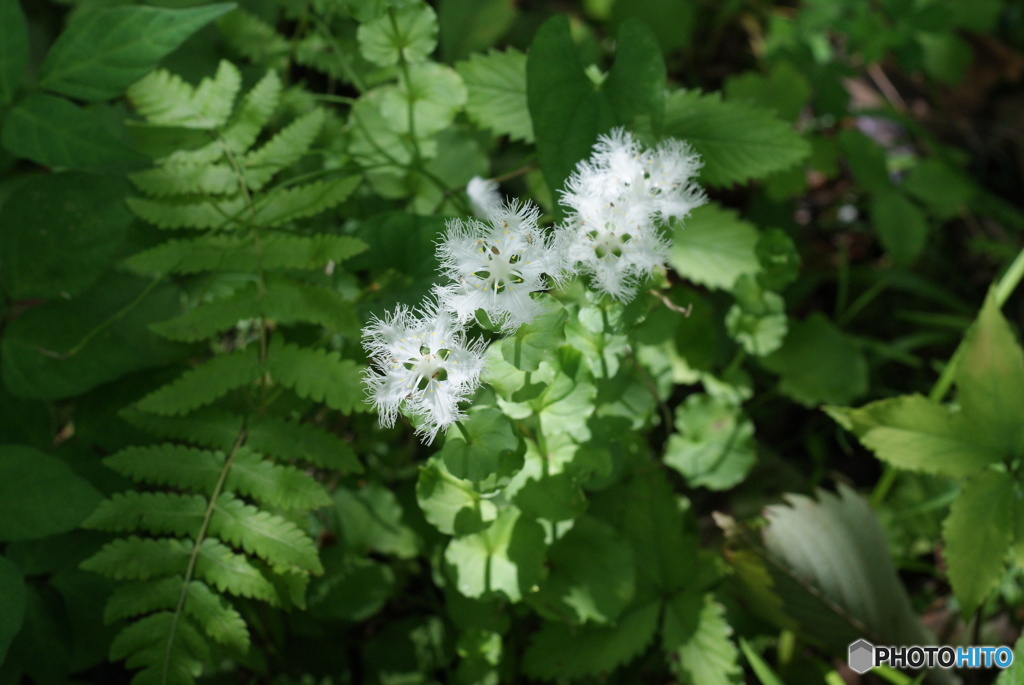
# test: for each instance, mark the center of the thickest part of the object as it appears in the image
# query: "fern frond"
(144, 642)
(276, 540)
(179, 178)
(235, 253)
(304, 441)
(254, 38)
(253, 114)
(218, 619)
(233, 573)
(276, 485)
(222, 213)
(204, 384)
(216, 429)
(283, 300)
(160, 513)
(175, 466)
(165, 99)
(318, 375)
(284, 149)
(282, 205)
(135, 558)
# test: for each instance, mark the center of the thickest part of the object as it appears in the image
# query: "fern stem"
(194, 556)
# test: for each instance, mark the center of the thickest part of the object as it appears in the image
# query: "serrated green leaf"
(915, 433)
(13, 58)
(283, 150)
(944, 190)
(496, 93)
(102, 52)
(505, 558)
(274, 539)
(176, 179)
(282, 205)
(224, 213)
(230, 253)
(160, 513)
(205, 383)
(714, 446)
(696, 633)
(866, 160)
(561, 651)
(714, 247)
(758, 320)
(408, 34)
(232, 573)
(135, 558)
(636, 82)
(64, 250)
(318, 375)
(304, 441)
(990, 381)
(12, 604)
(591, 574)
(779, 259)
(40, 495)
(165, 99)
(737, 142)
(54, 132)
(255, 39)
(818, 363)
(783, 89)
(977, 535)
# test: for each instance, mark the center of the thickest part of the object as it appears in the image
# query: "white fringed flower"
(484, 197)
(616, 200)
(423, 364)
(495, 266)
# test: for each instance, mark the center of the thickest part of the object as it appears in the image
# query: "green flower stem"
(1003, 288)
(465, 433)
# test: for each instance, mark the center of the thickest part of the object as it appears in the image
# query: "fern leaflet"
(204, 384)
(276, 540)
(165, 99)
(283, 150)
(319, 375)
(282, 205)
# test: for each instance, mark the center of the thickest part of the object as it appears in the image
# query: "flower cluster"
(422, 361)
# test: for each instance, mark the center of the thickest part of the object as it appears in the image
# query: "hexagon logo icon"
(861, 656)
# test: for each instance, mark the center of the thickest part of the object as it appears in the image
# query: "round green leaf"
(40, 495)
(491, 456)
(507, 557)
(12, 604)
(432, 93)
(409, 33)
(714, 447)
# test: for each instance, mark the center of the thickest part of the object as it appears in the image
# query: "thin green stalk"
(194, 556)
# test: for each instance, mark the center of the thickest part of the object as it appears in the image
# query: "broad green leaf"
(408, 34)
(496, 93)
(636, 83)
(832, 571)
(13, 60)
(61, 251)
(504, 558)
(559, 650)
(354, 592)
(491, 455)
(990, 381)
(432, 94)
(900, 225)
(696, 634)
(977, 534)
(451, 504)
(536, 341)
(65, 347)
(783, 89)
(866, 160)
(369, 519)
(40, 495)
(102, 52)
(757, 321)
(818, 363)
(54, 132)
(591, 575)
(547, 488)
(470, 26)
(780, 261)
(736, 141)
(714, 247)
(714, 446)
(944, 190)
(12, 604)
(671, 22)
(917, 434)
(479, 656)
(567, 110)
